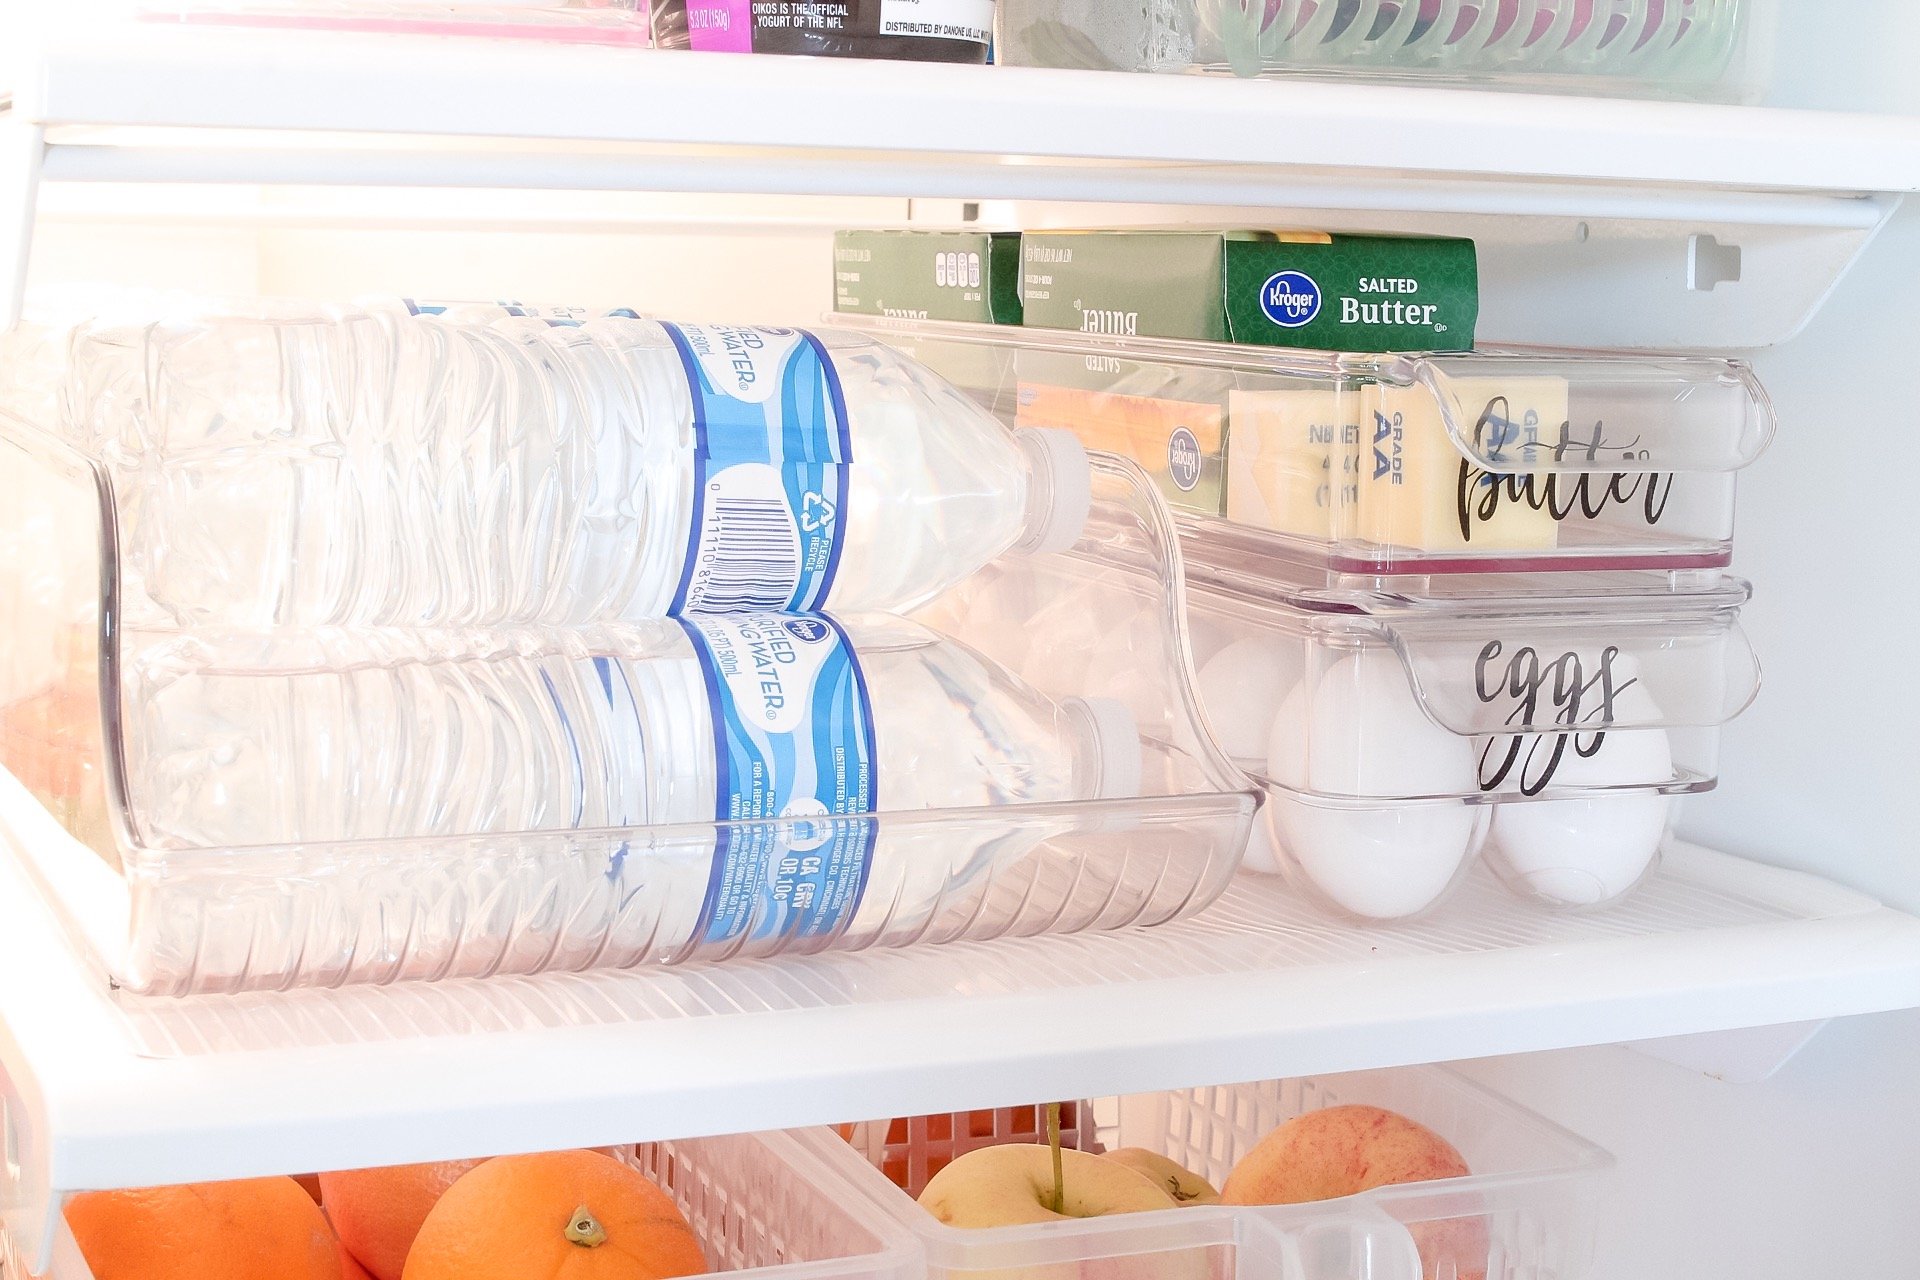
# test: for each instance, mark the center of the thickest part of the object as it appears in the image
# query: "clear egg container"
(1714, 49)
(1528, 1208)
(1399, 737)
(1418, 466)
(86, 733)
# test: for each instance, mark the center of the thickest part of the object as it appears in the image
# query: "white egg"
(1365, 734)
(1585, 852)
(1242, 688)
(1386, 863)
(1208, 635)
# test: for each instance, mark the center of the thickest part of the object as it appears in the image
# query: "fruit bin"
(759, 1203)
(1712, 49)
(1528, 1209)
(1412, 465)
(79, 738)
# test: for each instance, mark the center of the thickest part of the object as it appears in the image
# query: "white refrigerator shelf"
(1701, 225)
(103, 1091)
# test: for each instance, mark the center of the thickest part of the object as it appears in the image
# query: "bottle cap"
(1063, 482)
(1117, 735)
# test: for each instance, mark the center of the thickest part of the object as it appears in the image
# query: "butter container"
(1429, 466)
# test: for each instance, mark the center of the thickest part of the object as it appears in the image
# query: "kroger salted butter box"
(928, 275)
(1271, 288)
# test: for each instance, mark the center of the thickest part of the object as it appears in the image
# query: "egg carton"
(1400, 737)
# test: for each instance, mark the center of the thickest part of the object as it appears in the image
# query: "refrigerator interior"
(1808, 1171)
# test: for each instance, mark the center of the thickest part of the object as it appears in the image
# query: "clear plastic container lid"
(1714, 49)
(1358, 466)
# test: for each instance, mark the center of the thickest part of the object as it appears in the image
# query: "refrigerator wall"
(1810, 1172)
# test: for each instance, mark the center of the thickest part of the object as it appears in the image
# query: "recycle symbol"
(815, 512)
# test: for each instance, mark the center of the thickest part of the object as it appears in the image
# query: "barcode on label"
(754, 557)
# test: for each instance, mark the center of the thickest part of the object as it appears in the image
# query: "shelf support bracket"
(1746, 1055)
(23, 150)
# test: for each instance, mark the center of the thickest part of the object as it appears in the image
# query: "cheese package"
(1419, 491)
(1171, 422)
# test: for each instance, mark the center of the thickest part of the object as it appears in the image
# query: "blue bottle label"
(793, 737)
(770, 469)
(557, 317)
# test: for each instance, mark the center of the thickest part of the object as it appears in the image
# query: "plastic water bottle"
(257, 740)
(376, 467)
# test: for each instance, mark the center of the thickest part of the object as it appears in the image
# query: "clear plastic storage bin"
(1400, 737)
(1363, 465)
(1717, 49)
(757, 1203)
(608, 22)
(1528, 1209)
(80, 737)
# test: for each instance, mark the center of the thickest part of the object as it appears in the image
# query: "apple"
(1012, 1185)
(934, 1138)
(1180, 1182)
(1344, 1150)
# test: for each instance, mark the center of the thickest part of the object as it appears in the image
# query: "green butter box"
(1270, 288)
(928, 275)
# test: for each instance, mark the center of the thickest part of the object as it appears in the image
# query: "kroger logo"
(810, 630)
(1183, 459)
(1290, 298)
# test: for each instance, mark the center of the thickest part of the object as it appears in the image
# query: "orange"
(378, 1212)
(576, 1214)
(254, 1229)
(309, 1183)
(350, 1269)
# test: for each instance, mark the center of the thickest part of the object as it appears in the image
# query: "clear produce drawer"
(1659, 48)
(215, 809)
(1527, 1208)
(757, 1203)
(1364, 465)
